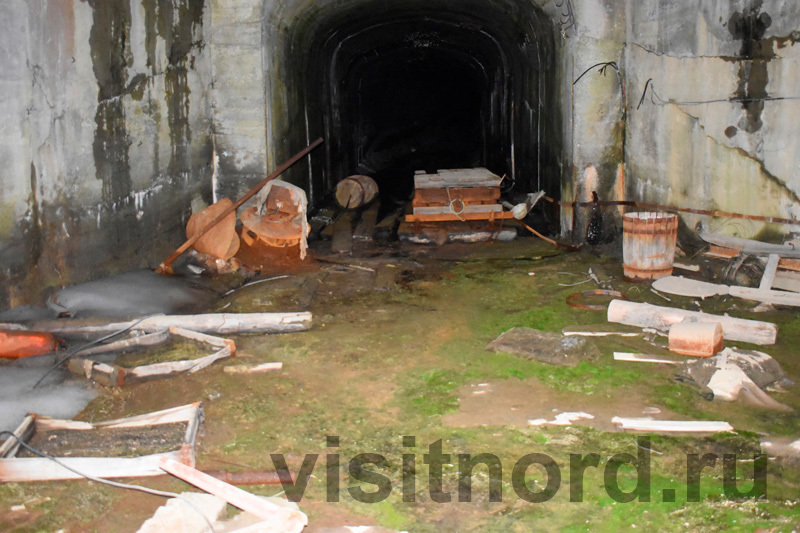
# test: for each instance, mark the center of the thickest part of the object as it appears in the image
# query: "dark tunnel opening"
(428, 86)
(420, 110)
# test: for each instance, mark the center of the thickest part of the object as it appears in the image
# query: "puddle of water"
(514, 402)
(60, 396)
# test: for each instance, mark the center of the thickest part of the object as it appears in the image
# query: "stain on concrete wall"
(108, 113)
(713, 130)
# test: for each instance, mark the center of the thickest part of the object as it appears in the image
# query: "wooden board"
(769, 272)
(671, 426)
(787, 280)
(217, 323)
(648, 358)
(789, 264)
(721, 252)
(450, 217)
(701, 289)
(751, 247)
(458, 209)
(277, 519)
(469, 195)
(461, 177)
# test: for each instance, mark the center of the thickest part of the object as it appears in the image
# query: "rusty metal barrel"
(356, 191)
(648, 245)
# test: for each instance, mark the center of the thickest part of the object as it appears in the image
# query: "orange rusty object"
(648, 245)
(166, 266)
(700, 339)
(19, 344)
(220, 241)
(575, 300)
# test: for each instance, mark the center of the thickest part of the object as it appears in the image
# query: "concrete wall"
(717, 128)
(110, 110)
(104, 137)
(689, 144)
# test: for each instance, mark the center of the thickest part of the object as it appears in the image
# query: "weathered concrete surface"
(714, 131)
(110, 110)
(104, 136)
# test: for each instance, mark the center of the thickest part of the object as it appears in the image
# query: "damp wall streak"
(105, 137)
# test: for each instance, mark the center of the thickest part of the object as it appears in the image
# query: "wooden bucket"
(356, 191)
(648, 245)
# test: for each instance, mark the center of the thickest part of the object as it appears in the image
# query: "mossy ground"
(382, 364)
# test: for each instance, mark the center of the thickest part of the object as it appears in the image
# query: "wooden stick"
(257, 369)
(679, 426)
(217, 323)
(646, 358)
(278, 519)
(551, 241)
(166, 266)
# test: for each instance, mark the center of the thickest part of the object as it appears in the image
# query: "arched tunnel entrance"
(420, 86)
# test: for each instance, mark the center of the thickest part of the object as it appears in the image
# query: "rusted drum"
(648, 245)
(356, 191)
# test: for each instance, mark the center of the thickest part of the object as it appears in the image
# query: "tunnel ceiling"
(425, 85)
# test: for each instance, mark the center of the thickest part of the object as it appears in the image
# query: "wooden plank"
(40, 469)
(469, 195)
(459, 209)
(278, 519)
(671, 426)
(689, 287)
(256, 369)
(462, 177)
(23, 433)
(789, 264)
(766, 296)
(220, 323)
(722, 252)
(219, 342)
(769, 272)
(751, 247)
(441, 184)
(787, 280)
(163, 370)
(647, 358)
(653, 316)
(150, 339)
(690, 268)
(449, 217)
(701, 289)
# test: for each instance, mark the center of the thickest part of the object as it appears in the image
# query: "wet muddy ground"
(398, 349)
